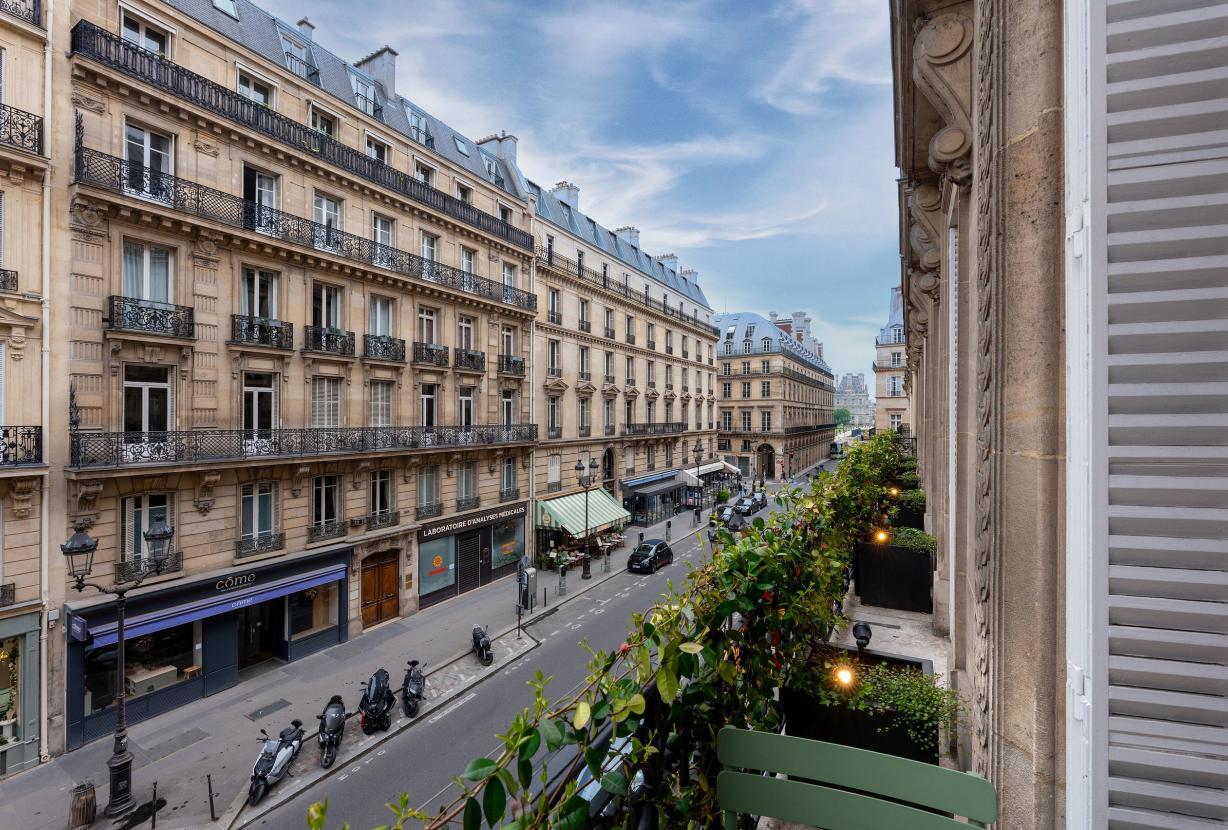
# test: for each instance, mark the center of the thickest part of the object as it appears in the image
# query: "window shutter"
(1, 216)
(129, 529)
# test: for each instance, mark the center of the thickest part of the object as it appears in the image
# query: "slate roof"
(734, 327)
(262, 33)
(895, 320)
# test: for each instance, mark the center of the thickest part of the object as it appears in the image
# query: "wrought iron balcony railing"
(511, 364)
(204, 446)
(422, 136)
(261, 331)
(586, 325)
(652, 344)
(383, 347)
(686, 355)
(302, 68)
(669, 349)
(554, 432)
(97, 44)
(21, 446)
(585, 376)
(631, 338)
(370, 106)
(609, 429)
(328, 340)
(8, 594)
(585, 431)
(131, 314)
(21, 129)
(630, 382)
(429, 511)
(129, 569)
(31, 11)
(8, 280)
(610, 333)
(468, 502)
(652, 384)
(629, 471)
(469, 360)
(666, 428)
(325, 530)
(119, 176)
(386, 518)
(260, 544)
(431, 354)
(609, 379)
(554, 372)
(555, 317)
(509, 493)
(554, 486)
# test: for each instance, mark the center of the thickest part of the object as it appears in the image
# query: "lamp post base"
(587, 573)
(121, 801)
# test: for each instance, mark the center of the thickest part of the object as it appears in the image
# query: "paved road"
(423, 759)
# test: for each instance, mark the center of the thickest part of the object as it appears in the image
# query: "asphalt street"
(423, 759)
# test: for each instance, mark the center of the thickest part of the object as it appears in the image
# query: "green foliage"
(917, 701)
(913, 500)
(908, 462)
(722, 495)
(843, 417)
(909, 480)
(913, 539)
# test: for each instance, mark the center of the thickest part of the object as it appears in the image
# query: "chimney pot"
(690, 274)
(306, 28)
(381, 65)
(629, 234)
(567, 193)
(670, 261)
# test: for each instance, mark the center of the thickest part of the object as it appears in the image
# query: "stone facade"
(892, 404)
(852, 394)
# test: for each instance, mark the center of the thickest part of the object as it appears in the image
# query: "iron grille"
(130, 569)
(586, 326)
(131, 314)
(325, 530)
(554, 432)
(429, 511)
(667, 428)
(609, 332)
(113, 51)
(469, 359)
(383, 347)
(585, 432)
(8, 280)
(387, 518)
(302, 68)
(20, 446)
(119, 176)
(261, 331)
(509, 493)
(554, 486)
(555, 317)
(432, 354)
(256, 545)
(609, 379)
(510, 364)
(21, 129)
(8, 593)
(31, 12)
(609, 429)
(468, 502)
(329, 340)
(585, 376)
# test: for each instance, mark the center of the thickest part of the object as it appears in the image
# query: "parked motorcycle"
(481, 646)
(413, 688)
(275, 757)
(332, 727)
(375, 708)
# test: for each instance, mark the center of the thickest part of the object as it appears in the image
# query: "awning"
(656, 489)
(567, 512)
(632, 483)
(689, 475)
(105, 634)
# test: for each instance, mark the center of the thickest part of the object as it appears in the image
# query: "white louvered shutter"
(1164, 448)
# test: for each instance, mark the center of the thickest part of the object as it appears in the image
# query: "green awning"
(567, 512)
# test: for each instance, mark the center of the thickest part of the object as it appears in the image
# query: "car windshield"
(644, 549)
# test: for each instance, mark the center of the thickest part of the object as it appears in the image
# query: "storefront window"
(509, 543)
(312, 611)
(10, 690)
(435, 565)
(153, 662)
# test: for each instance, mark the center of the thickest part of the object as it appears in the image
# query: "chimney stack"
(504, 146)
(690, 274)
(305, 28)
(670, 261)
(381, 65)
(567, 193)
(628, 234)
(772, 315)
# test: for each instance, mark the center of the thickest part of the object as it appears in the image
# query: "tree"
(843, 417)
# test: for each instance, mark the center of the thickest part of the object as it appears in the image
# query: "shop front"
(654, 498)
(460, 554)
(564, 523)
(704, 483)
(18, 692)
(190, 639)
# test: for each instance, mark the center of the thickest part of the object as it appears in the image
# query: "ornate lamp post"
(79, 550)
(587, 482)
(699, 455)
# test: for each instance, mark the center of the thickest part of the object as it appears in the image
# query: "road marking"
(576, 626)
(582, 616)
(458, 704)
(598, 611)
(555, 631)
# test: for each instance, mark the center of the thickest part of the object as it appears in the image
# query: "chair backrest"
(890, 791)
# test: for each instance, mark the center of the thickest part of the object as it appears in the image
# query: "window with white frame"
(379, 322)
(364, 94)
(585, 410)
(149, 401)
(765, 420)
(146, 35)
(383, 232)
(464, 330)
(554, 470)
(325, 501)
(150, 157)
(507, 481)
(465, 408)
(467, 483)
(328, 214)
(383, 499)
(651, 412)
(259, 403)
(509, 275)
(746, 421)
(552, 358)
(417, 125)
(377, 149)
(430, 247)
(468, 260)
(424, 173)
(426, 325)
(147, 272)
(258, 509)
(427, 410)
(140, 513)
(428, 485)
(323, 122)
(507, 407)
(507, 340)
(629, 459)
(254, 89)
(465, 193)
(629, 411)
(325, 402)
(607, 412)
(896, 421)
(552, 415)
(380, 410)
(325, 306)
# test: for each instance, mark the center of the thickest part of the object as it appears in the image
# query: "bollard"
(153, 808)
(212, 812)
(545, 599)
(668, 524)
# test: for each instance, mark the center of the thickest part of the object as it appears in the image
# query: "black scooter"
(481, 646)
(332, 727)
(375, 708)
(413, 688)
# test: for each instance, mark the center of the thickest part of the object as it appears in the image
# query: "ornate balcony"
(554, 486)
(130, 569)
(510, 364)
(167, 319)
(468, 502)
(8, 280)
(31, 11)
(509, 493)
(555, 317)
(208, 446)
(119, 176)
(302, 68)
(97, 44)
(328, 341)
(586, 326)
(261, 331)
(585, 432)
(387, 518)
(429, 511)
(325, 530)
(609, 332)
(259, 545)
(667, 428)
(383, 347)
(432, 354)
(8, 593)
(21, 446)
(20, 129)
(469, 360)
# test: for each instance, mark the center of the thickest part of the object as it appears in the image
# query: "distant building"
(891, 405)
(852, 394)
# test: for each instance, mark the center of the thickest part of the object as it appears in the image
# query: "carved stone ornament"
(87, 218)
(360, 473)
(300, 479)
(942, 71)
(84, 102)
(202, 144)
(85, 493)
(204, 492)
(21, 491)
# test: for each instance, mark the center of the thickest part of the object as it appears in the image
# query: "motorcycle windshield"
(377, 687)
(334, 720)
(415, 685)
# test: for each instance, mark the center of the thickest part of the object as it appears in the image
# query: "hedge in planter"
(898, 573)
(910, 509)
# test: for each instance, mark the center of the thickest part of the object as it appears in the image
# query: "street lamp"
(587, 482)
(79, 551)
(699, 454)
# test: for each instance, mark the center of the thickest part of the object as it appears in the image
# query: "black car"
(650, 555)
(745, 505)
(760, 500)
(721, 515)
(735, 524)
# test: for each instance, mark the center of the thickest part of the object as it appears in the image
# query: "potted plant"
(910, 509)
(722, 495)
(896, 570)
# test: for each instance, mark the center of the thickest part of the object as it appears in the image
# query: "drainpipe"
(531, 530)
(45, 416)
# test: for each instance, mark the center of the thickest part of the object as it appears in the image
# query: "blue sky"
(753, 139)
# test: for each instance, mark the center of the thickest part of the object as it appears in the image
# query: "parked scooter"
(413, 688)
(481, 646)
(375, 708)
(274, 761)
(332, 727)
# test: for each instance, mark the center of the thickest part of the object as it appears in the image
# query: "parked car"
(721, 515)
(745, 505)
(760, 500)
(735, 523)
(650, 555)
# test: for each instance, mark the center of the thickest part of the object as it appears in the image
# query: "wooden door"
(380, 588)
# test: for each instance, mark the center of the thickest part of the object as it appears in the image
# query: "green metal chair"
(891, 792)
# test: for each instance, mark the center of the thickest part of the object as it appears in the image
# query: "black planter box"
(904, 517)
(807, 718)
(890, 576)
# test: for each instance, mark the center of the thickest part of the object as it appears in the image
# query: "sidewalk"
(218, 732)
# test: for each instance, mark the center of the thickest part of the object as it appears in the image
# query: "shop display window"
(508, 543)
(435, 565)
(154, 662)
(312, 611)
(10, 690)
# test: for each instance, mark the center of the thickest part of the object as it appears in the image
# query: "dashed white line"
(458, 704)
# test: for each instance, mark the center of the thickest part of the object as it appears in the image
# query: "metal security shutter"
(1164, 470)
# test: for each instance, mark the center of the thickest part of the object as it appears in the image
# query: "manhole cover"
(265, 711)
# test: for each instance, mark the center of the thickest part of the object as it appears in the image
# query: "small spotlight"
(844, 676)
(895, 491)
(880, 536)
(862, 634)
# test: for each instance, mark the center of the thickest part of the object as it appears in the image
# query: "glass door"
(147, 272)
(148, 412)
(259, 412)
(148, 162)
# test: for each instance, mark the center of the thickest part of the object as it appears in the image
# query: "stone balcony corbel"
(942, 72)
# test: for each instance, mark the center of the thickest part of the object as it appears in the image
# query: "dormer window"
(747, 345)
(364, 95)
(296, 59)
(417, 127)
(227, 6)
(767, 344)
(750, 331)
(461, 146)
(489, 164)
